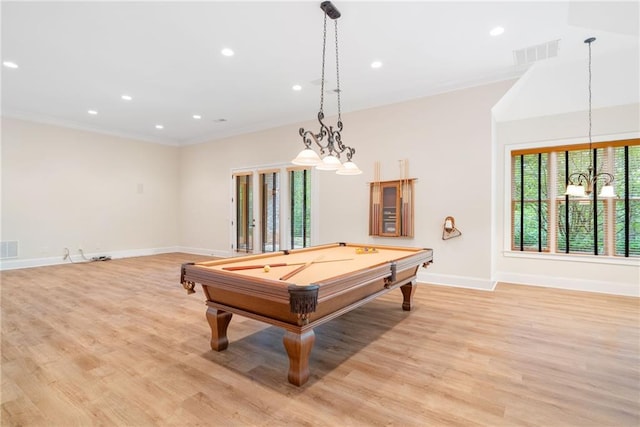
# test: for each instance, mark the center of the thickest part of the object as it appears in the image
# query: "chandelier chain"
(324, 48)
(589, 97)
(337, 71)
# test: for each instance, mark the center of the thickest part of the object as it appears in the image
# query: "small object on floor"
(267, 268)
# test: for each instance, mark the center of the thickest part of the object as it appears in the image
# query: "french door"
(272, 209)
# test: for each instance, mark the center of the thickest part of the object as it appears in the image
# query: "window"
(543, 219)
(300, 192)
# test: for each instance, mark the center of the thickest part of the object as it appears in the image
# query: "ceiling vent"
(532, 54)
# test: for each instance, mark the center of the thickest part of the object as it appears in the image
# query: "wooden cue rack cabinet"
(391, 208)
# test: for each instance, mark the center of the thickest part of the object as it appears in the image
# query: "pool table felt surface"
(316, 272)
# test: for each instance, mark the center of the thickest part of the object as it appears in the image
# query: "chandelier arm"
(306, 141)
(338, 138)
(608, 178)
(309, 138)
(317, 141)
(342, 148)
(324, 130)
(578, 178)
(331, 146)
(350, 153)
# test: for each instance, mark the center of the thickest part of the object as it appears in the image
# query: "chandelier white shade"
(307, 157)
(575, 191)
(349, 168)
(329, 163)
(607, 191)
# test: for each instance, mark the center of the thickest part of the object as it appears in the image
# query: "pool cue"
(302, 267)
(405, 199)
(280, 264)
(296, 271)
(374, 225)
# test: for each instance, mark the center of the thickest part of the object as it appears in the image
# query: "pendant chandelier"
(582, 184)
(328, 140)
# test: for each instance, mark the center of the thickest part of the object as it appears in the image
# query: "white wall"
(76, 189)
(447, 139)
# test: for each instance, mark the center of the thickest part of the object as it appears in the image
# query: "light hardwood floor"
(121, 343)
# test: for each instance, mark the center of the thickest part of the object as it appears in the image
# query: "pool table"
(300, 289)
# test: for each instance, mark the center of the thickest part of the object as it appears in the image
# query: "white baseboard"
(12, 264)
(456, 281)
(624, 289)
(208, 252)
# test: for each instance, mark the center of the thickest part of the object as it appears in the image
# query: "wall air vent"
(8, 249)
(532, 54)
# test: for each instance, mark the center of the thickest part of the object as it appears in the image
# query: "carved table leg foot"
(407, 294)
(218, 322)
(298, 348)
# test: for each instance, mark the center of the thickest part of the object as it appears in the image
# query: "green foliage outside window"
(300, 208)
(538, 186)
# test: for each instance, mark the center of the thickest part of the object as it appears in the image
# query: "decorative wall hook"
(449, 229)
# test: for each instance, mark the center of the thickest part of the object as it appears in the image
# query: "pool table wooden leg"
(407, 293)
(218, 322)
(298, 348)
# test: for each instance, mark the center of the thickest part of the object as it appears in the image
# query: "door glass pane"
(244, 214)
(300, 208)
(270, 195)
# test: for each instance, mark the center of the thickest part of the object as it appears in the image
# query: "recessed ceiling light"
(159, 127)
(376, 64)
(296, 87)
(197, 116)
(126, 97)
(227, 52)
(496, 31)
(10, 64)
(92, 112)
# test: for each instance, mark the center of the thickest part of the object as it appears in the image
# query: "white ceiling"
(76, 56)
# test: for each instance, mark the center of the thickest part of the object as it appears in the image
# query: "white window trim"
(508, 252)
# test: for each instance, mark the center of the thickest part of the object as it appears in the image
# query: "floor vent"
(8, 249)
(532, 54)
